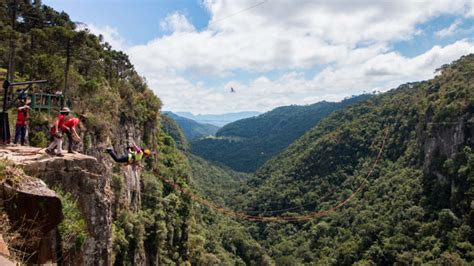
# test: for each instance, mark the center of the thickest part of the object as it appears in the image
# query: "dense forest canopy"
(417, 207)
(247, 144)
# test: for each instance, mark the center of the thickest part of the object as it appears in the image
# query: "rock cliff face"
(32, 212)
(132, 192)
(443, 147)
(88, 181)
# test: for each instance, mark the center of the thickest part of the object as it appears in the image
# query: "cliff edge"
(89, 184)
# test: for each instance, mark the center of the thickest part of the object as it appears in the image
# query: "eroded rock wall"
(88, 181)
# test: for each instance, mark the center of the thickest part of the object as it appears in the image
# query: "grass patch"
(11, 174)
(73, 229)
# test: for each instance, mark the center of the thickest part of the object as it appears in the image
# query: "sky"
(277, 52)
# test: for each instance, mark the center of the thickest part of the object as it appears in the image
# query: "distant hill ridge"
(246, 144)
(218, 119)
(192, 129)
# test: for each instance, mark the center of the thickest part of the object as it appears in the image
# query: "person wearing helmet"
(134, 155)
(69, 128)
(56, 135)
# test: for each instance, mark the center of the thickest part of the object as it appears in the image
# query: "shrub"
(38, 139)
(73, 229)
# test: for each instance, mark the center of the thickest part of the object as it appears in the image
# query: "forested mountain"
(218, 182)
(192, 129)
(218, 120)
(149, 221)
(246, 144)
(214, 238)
(416, 207)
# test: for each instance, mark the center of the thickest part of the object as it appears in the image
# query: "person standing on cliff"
(57, 143)
(21, 122)
(69, 128)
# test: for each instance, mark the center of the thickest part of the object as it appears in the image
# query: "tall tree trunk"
(32, 47)
(66, 69)
(11, 58)
(12, 42)
(110, 72)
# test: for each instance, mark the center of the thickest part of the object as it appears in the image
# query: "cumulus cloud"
(364, 73)
(351, 41)
(110, 34)
(284, 34)
(176, 22)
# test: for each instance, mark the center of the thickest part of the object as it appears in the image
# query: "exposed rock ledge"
(89, 184)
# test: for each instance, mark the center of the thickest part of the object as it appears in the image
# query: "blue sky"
(137, 21)
(277, 52)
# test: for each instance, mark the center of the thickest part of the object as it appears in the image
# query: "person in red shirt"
(21, 121)
(56, 130)
(69, 128)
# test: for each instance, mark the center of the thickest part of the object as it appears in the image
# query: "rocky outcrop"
(132, 192)
(88, 181)
(443, 145)
(445, 140)
(34, 212)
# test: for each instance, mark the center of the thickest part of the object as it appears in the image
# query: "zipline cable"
(234, 14)
(337, 188)
(279, 219)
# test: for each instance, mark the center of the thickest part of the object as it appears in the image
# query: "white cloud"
(470, 9)
(110, 35)
(350, 40)
(452, 29)
(364, 73)
(284, 34)
(176, 22)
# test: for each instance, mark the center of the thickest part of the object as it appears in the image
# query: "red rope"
(280, 219)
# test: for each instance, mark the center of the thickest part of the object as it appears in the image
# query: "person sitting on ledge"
(134, 155)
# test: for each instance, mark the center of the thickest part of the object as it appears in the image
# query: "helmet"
(83, 117)
(65, 110)
(147, 152)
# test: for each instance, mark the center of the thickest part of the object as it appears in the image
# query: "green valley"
(247, 144)
(385, 178)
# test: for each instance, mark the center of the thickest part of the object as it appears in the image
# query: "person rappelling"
(134, 155)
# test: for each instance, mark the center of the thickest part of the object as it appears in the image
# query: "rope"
(233, 14)
(279, 219)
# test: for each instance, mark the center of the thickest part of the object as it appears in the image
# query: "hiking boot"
(60, 155)
(49, 152)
